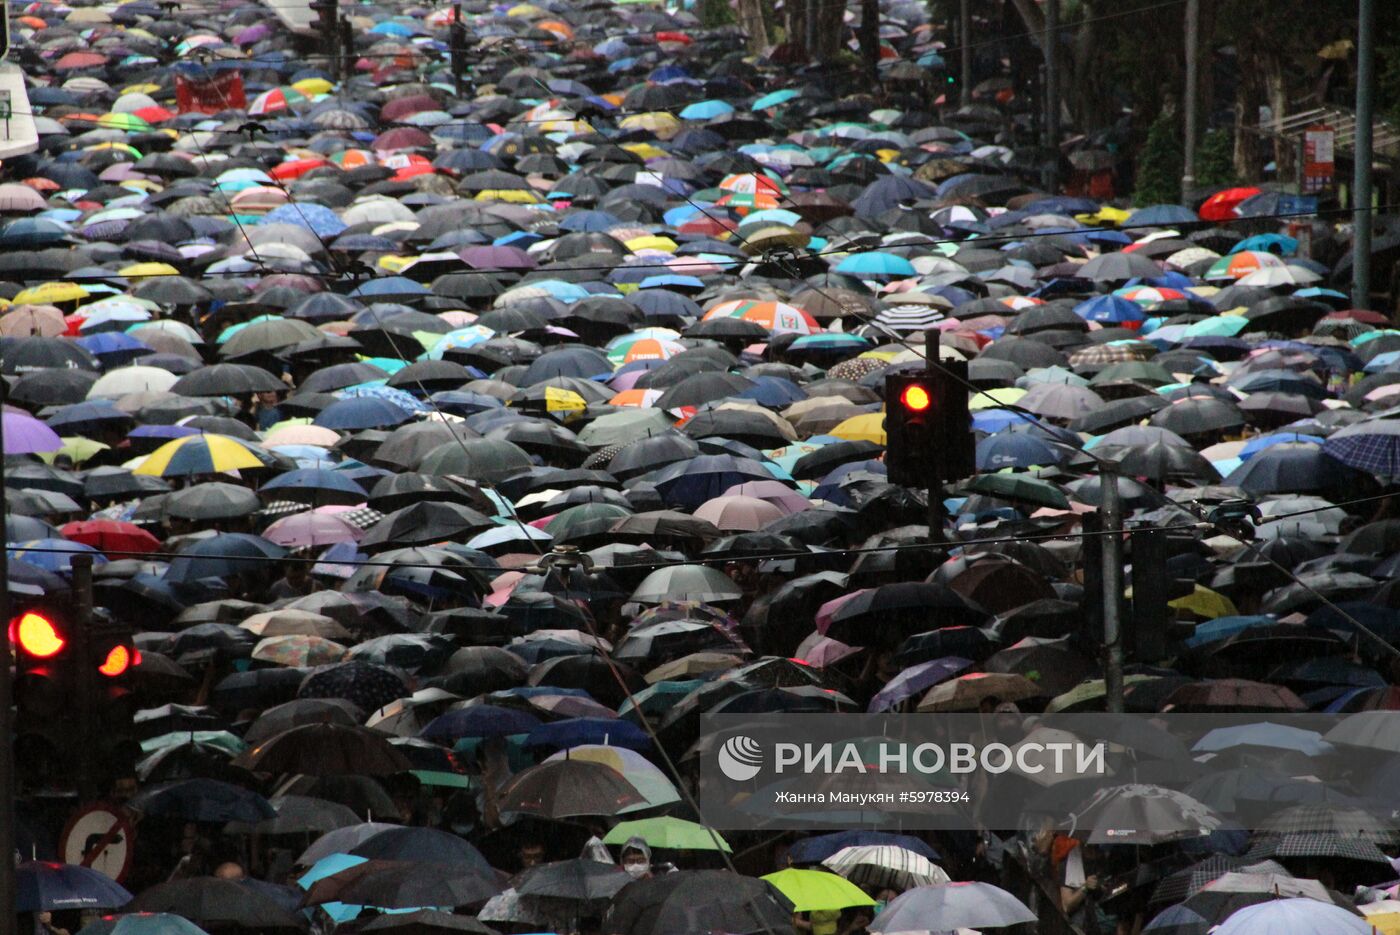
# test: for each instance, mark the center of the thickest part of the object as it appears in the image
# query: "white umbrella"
(885, 865)
(1295, 917)
(945, 906)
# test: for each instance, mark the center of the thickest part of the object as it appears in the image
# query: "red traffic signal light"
(915, 398)
(119, 659)
(36, 635)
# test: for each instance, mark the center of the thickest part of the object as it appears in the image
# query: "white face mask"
(636, 871)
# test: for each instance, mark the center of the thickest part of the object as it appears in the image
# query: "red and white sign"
(100, 837)
(1319, 159)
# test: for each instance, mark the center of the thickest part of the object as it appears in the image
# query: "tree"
(1215, 160)
(1160, 164)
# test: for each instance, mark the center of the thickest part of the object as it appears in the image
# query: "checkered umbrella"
(1373, 445)
(1189, 881)
(1332, 820)
(1317, 845)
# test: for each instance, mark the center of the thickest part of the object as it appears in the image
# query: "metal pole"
(1188, 104)
(8, 793)
(1112, 512)
(965, 41)
(1052, 95)
(932, 339)
(81, 584)
(1361, 181)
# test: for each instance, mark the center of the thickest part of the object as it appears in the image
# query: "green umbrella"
(817, 890)
(1086, 692)
(1019, 487)
(625, 427)
(667, 833)
(217, 738)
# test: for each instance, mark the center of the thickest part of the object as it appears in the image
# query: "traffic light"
(74, 708)
(927, 426)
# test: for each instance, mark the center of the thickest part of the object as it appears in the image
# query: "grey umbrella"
(951, 906)
(686, 583)
(1142, 814)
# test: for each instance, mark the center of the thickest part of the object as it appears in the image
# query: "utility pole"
(1111, 510)
(1188, 163)
(345, 47)
(965, 42)
(1361, 218)
(1052, 95)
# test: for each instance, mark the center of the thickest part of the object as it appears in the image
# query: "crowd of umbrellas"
(454, 441)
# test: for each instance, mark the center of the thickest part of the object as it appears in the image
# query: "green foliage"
(714, 13)
(1159, 164)
(1215, 159)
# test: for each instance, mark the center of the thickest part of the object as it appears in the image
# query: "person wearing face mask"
(636, 858)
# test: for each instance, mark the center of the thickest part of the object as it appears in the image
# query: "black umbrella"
(325, 749)
(395, 884)
(568, 788)
(203, 800)
(216, 903)
(227, 380)
(694, 902)
(579, 880)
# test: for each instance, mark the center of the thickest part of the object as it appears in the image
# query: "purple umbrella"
(916, 679)
(23, 434)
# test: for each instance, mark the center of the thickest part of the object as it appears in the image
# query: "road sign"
(1319, 161)
(99, 837)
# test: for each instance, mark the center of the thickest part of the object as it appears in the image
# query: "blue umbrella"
(54, 555)
(1014, 450)
(81, 418)
(586, 730)
(319, 219)
(1109, 309)
(42, 886)
(1161, 216)
(390, 285)
(321, 484)
(876, 263)
(358, 413)
(225, 554)
(480, 721)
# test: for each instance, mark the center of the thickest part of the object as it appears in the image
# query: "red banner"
(211, 95)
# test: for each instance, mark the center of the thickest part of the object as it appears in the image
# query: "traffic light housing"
(74, 708)
(927, 426)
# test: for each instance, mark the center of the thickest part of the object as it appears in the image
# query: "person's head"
(229, 870)
(124, 787)
(636, 858)
(268, 398)
(296, 572)
(530, 854)
(988, 705)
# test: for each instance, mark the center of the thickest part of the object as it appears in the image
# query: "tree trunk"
(870, 40)
(830, 31)
(754, 23)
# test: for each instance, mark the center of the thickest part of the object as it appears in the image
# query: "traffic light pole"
(82, 640)
(8, 796)
(1110, 508)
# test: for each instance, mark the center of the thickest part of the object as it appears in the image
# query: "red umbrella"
(1221, 205)
(109, 535)
(297, 168)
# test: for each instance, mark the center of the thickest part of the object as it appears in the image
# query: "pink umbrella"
(312, 529)
(826, 652)
(739, 513)
(829, 609)
(771, 491)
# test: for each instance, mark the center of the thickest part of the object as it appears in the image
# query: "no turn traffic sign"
(99, 837)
